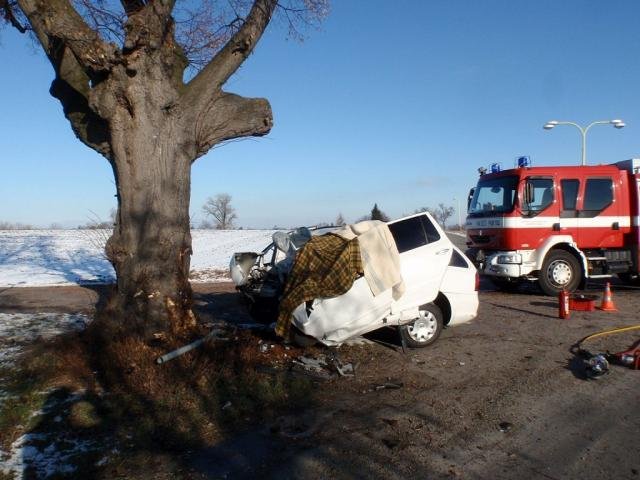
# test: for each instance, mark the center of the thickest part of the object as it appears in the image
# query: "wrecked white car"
(412, 277)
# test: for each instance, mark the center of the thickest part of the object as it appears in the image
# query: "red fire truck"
(558, 226)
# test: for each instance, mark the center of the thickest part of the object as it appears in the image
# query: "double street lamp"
(583, 131)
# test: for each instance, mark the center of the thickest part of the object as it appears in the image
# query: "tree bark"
(151, 244)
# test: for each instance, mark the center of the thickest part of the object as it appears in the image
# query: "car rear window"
(413, 232)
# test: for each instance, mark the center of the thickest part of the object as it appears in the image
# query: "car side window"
(430, 230)
(408, 234)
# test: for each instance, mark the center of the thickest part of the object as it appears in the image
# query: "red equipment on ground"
(607, 300)
(629, 358)
(563, 305)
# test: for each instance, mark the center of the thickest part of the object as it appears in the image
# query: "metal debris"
(388, 386)
(346, 370)
(505, 426)
(211, 336)
(597, 365)
(315, 364)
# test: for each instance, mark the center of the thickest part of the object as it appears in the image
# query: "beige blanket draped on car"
(380, 257)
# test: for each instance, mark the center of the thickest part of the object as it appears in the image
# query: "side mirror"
(470, 197)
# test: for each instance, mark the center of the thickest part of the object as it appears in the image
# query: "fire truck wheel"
(560, 271)
(425, 329)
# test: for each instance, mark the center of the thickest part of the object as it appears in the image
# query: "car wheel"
(560, 271)
(425, 329)
(505, 284)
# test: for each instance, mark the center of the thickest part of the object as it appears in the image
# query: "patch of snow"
(17, 330)
(30, 258)
(29, 453)
(20, 329)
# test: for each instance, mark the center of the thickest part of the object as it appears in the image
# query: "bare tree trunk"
(151, 244)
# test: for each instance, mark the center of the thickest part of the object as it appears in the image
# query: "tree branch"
(238, 48)
(132, 6)
(10, 16)
(58, 20)
(72, 83)
(231, 116)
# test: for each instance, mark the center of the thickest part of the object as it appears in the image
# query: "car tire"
(505, 284)
(560, 271)
(425, 329)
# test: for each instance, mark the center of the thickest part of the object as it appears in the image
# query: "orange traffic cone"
(607, 302)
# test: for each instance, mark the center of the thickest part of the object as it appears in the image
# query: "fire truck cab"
(558, 226)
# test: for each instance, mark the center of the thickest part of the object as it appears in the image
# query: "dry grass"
(148, 409)
(41, 369)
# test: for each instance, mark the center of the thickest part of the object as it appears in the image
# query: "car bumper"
(493, 264)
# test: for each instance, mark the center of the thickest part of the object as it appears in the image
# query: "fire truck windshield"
(494, 195)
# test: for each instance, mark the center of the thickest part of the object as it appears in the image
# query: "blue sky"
(397, 103)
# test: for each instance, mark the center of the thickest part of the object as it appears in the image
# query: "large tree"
(120, 77)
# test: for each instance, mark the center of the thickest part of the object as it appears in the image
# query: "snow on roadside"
(27, 454)
(38, 454)
(20, 329)
(31, 258)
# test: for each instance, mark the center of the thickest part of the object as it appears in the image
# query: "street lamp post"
(455, 199)
(583, 131)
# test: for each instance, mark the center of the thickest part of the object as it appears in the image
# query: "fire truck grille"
(481, 238)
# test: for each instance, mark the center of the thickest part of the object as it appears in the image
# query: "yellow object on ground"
(608, 332)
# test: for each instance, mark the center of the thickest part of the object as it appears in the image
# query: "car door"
(424, 251)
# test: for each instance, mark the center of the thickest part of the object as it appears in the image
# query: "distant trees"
(220, 209)
(96, 223)
(340, 220)
(96, 226)
(377, 214)
(442, 213)
(15, 226)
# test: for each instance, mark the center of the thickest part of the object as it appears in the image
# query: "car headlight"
(510, 258)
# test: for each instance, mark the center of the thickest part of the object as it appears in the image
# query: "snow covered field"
(30, 258)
